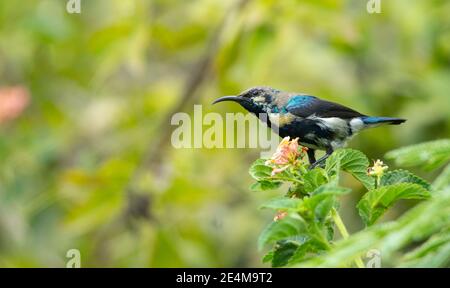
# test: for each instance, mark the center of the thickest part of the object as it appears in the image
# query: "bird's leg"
(311, 156)
(322, 159)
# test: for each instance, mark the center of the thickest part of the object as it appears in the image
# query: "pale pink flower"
(280, 215)
(275, 170)
(287, 152)
(13, 100)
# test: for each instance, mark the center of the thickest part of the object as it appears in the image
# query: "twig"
(155, 153)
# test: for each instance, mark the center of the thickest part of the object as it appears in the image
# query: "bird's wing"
(306, 105)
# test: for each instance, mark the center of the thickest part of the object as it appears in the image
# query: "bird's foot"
(317, 164)
(321, 161)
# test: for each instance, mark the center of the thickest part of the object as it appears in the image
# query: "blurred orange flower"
(13, 100)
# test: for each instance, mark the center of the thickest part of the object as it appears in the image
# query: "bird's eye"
(255, 92)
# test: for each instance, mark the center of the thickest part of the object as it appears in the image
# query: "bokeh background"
(86, 99)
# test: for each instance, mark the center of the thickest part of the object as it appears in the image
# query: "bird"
(318, 124)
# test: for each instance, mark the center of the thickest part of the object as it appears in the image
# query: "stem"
(343, 230)
(288, 179)
(320, 237)
(378, 182)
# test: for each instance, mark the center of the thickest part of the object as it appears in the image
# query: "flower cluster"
(378, 169)
(287, 154)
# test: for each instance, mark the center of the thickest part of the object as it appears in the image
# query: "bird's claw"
(316, 164)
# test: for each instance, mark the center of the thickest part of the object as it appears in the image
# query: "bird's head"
(255, 100)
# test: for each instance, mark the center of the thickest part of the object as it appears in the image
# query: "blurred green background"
(88, 163)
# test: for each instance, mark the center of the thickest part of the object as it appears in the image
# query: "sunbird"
(319, 124)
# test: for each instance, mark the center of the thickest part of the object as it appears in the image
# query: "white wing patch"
(338, 125)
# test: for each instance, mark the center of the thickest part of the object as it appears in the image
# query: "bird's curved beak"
(238, 99)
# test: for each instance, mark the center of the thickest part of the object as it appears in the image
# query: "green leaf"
(259, 171)
(351, 161)
(283, 252)
(290, 225)
(329, 228)
(434, 253)
(403, 176)
(323, 208)
(429, 155)
(268, 257)
(313, 179)
(331, 189)
(443, 180)
(304, 252)
(296, 191)
(263, 174)
(375, 202)
(323, 199)
(418, 223)
(264, 185)
(283, 203)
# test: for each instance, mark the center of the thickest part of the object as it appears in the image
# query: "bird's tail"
(382, 120)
